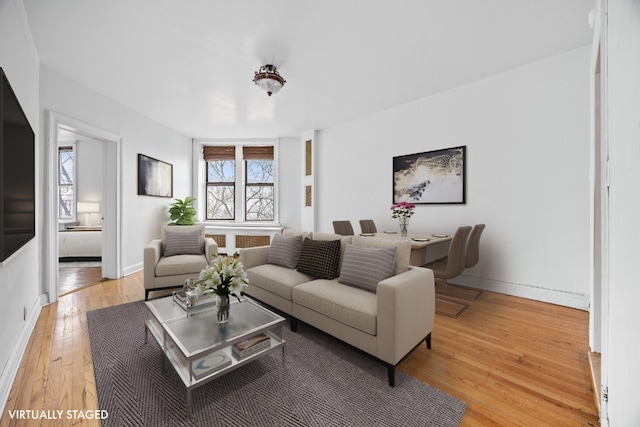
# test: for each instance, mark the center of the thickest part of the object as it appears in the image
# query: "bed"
(80, 242)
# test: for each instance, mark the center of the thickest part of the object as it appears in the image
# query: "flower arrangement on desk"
(225, 276)
(403, 212)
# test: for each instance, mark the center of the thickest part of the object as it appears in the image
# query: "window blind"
(211, 153)
(257, 153)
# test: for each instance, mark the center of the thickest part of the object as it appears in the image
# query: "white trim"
(132, 269)
(15, 358)
(112, 228)
(526, 290)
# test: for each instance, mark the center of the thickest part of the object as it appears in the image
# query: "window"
(66, 183)
(221, 182)
(259, 177)
(240, 178)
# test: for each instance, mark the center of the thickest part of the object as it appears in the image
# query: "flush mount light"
(268, 79)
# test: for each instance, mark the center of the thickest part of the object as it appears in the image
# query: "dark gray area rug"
(323, 383)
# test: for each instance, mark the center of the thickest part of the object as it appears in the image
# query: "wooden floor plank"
(513, 361)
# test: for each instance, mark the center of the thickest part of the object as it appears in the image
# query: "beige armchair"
(180, 253)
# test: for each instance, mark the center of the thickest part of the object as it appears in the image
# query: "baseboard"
(15, 358)
(538, 293)
(132, 269)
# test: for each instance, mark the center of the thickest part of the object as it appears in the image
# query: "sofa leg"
(428, 340)
(146, 294)
(391, 371)
(293, 324)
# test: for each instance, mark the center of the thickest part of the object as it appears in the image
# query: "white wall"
(141, 215)
(624, 211)
(527, 138)
(290, 171)
(89, 177)
(20, 278)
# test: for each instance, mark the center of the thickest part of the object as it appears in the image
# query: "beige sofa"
(181, 253)
(386, 324)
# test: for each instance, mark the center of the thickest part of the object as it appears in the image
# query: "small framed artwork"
(155, 177)
(431, 177)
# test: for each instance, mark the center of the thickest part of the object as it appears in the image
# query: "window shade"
(257, 153)
(219, 153)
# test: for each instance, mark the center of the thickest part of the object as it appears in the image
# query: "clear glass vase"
(404, 224)
(223, 304)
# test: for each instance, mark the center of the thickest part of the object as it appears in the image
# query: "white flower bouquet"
(225, 276)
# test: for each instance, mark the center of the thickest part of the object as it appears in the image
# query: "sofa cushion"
(284, 251)
(181, 264)
(331, 236)
(403, 251)
(276, 279)
(179, 242)
(319, 259)
(352, 306)
(365, 267)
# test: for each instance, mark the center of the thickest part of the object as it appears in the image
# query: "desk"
(424, 247)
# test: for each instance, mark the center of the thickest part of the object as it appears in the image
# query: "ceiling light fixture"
(268, 79)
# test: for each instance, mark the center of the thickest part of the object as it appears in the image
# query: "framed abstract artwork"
(155, 177)
(431, 177)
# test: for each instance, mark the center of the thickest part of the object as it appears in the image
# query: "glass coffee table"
(200, 349)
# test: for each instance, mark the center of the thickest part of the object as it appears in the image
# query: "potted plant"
(182, 212)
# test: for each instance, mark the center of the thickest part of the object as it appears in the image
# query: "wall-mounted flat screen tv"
(17, 173)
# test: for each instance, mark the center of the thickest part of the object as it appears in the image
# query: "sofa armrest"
(406, 312)
(151, 257)
(210, 249)
(251, 257)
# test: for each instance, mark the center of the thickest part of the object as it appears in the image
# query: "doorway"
(100, 220)
(80, 183)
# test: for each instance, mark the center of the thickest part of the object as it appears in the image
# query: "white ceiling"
(189, 64)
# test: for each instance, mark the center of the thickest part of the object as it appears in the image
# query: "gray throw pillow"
(284, 251)
(364, 267)
(182, 242)
(319, 258)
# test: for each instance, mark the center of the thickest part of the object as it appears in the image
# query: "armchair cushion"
(178, 242)
(365, 267)
(181, 264)
(285, 251)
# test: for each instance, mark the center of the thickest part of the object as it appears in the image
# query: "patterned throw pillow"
(364, 267)
(284, 251)
(320, 258)
(182, 242)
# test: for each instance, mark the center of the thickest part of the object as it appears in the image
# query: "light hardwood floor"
(514, 361)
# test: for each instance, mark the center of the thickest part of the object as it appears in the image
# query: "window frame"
(219, 184)
(257, 184)
(200, 180)
(74, 214)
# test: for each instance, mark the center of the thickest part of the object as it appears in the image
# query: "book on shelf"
(251, 346)
(209, 364)
(180, 295)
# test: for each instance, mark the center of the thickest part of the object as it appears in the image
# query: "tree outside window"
(221, 189)
(66, 183)
(259, 190)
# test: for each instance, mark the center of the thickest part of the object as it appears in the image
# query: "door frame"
(112, 199)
